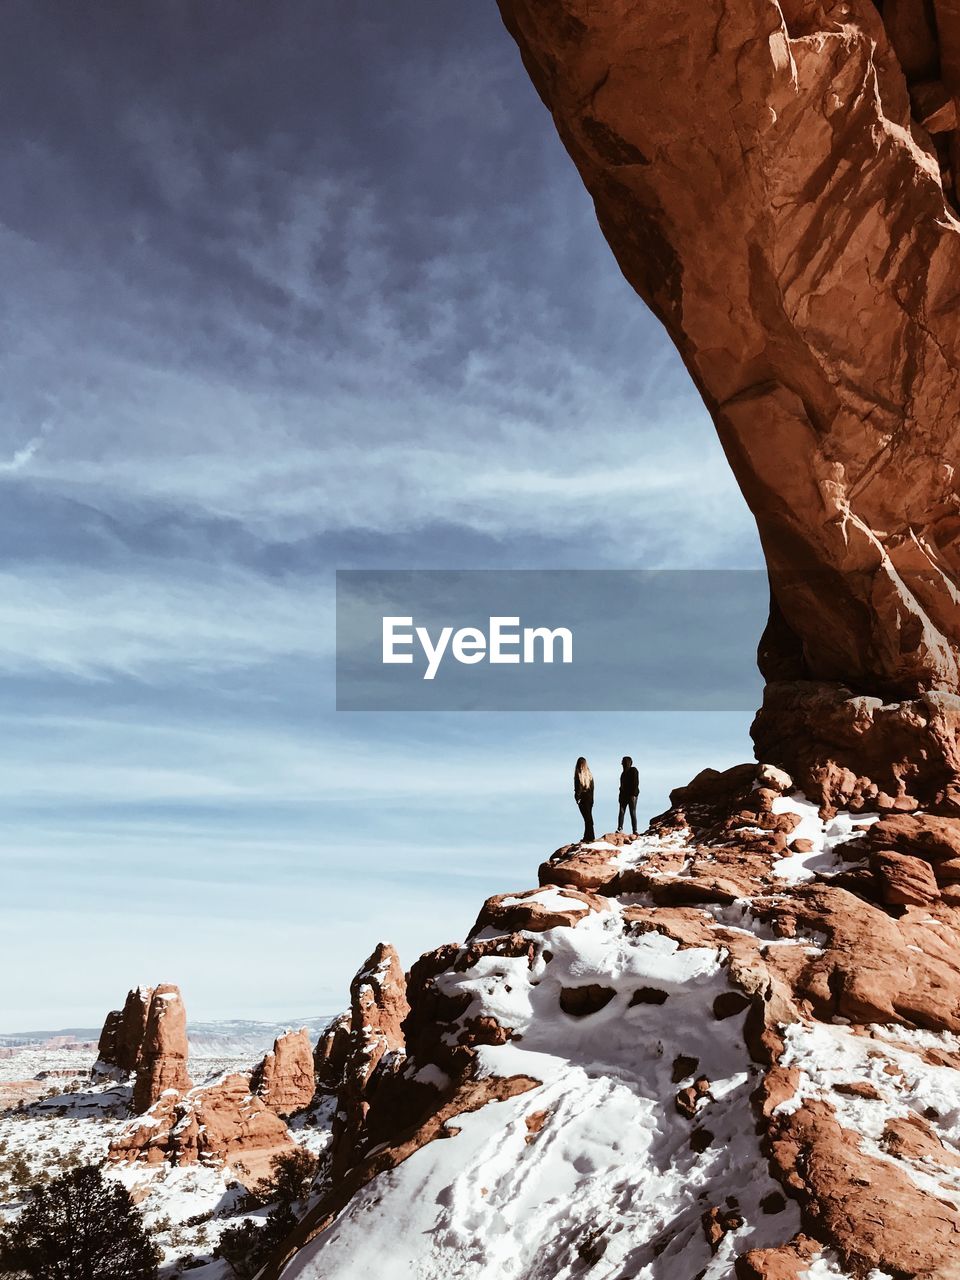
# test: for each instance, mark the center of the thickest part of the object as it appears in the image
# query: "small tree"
(248, 1246)
(292, 1175)
(79, 1227)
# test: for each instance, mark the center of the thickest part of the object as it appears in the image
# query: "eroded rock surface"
(284, 1079)
(378, 1007)
(224, 1122)
(779, 182)
(780, 188)
(121, 1040)
(162, 1064)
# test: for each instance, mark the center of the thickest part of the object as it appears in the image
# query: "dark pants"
(586, 809)
(632, 802)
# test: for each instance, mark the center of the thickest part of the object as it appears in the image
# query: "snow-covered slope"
(727, 1049)
(596, 1167)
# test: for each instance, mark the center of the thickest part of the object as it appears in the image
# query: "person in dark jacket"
(583, 794)
(629, 792)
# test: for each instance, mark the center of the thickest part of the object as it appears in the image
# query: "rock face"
(162, 1063)
(121, 1040)
(148, 1038)
(378, 1007)
(285, 1077)
(330, 1055)
(854, 751)
(778, 182)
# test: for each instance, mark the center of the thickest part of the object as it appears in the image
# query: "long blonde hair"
(582, 775)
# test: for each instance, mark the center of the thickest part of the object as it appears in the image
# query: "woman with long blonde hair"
(583, 794)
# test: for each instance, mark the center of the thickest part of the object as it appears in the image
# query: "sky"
(290, 289)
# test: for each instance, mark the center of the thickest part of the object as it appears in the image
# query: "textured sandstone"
(531, 910)
(378, 1007)
(121, 1040)
(869, 1208)
(852, 751)
(772, 190)
(284, 1079)
(220, 1123)
(162, 1066)
(330, 1055)
(904, 881)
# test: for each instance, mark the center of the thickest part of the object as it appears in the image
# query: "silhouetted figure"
(629, 792)
(583, 794)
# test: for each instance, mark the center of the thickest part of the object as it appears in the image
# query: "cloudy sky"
(290, 288)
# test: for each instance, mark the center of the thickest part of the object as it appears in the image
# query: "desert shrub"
(291, 1177)
(247, 1247)
(79, 1226)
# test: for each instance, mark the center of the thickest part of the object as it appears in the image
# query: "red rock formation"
(284, 1079)
(535, 909)
(378, 1007)
(162, 1065)
(121, 1040)
(806, 274)
(220, 1123)
(780, 182)
(330, 1055)
(858, 752)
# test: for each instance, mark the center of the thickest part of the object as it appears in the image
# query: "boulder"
(590, 870)
(921, 835)
(537, 910)
(904, 881)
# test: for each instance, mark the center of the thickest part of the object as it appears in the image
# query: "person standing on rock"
(583, 794)
(629, 792)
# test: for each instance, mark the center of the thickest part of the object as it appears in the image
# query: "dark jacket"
(630, 783)
(582, 795)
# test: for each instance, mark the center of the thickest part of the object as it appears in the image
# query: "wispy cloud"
(21, 456)
(279, 295)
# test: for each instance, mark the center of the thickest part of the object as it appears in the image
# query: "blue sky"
(290, 289)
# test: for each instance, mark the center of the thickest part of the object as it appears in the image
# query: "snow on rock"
(657, 1064)
(606, 1171)
(161, 1063)
(186, 1208)
(818, 838)
(732, 1022)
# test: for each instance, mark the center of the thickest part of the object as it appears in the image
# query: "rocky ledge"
(730, 1046)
